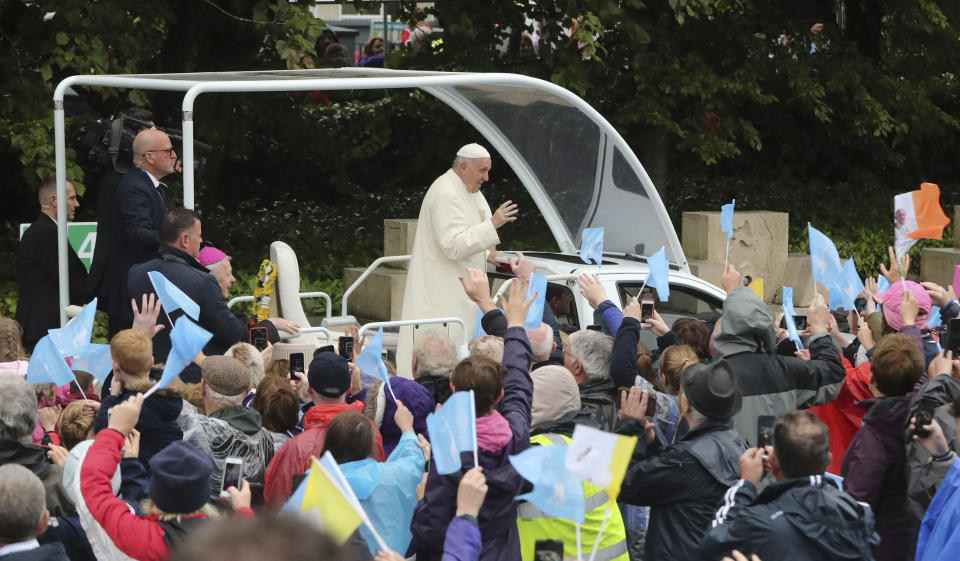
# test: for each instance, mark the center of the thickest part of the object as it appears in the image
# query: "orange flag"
(918, 215)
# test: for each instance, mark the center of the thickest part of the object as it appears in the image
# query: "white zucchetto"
(472, 151)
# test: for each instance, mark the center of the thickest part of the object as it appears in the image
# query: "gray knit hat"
(226, 375)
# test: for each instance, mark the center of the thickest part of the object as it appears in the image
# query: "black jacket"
(196, 282)
(35, 459)
(684, 485)
(46, 552)
(157, 425)
(438, 386)
(134, 224)
(597, 398)
(805, 518)
(38, 293)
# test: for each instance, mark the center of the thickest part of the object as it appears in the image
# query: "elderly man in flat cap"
(456, 230)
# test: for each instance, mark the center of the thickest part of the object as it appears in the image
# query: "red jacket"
(140, 537)
(843, 416)
(294, 456)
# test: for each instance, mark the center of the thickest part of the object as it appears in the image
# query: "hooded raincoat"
(772, 384)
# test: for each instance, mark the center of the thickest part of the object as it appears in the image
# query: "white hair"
(593, 350)
(489, 346)
(435, 354)
(24, 503)
(18, 409)
(226, 399)
(541, 342)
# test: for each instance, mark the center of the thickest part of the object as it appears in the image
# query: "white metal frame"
(435, 83)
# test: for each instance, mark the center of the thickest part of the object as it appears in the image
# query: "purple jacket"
(875, 472)
(417, 399)
(462, 542)
(498, 517)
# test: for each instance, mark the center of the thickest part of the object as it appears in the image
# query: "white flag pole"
(579, 547)
(596, 543)
(473, 419)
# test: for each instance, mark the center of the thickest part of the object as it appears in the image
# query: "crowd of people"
(748, 445)
(113, 475)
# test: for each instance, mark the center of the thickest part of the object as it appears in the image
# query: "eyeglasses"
(169, 151)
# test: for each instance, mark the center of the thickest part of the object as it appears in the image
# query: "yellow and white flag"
(325, 502)
(592, 449)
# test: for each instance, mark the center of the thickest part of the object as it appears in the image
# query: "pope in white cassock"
(456, 230)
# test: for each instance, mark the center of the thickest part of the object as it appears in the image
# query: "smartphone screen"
(345, 347)
(258, 337)
(765, 430)
(800, 322)
(548, 550)
(953, 337)
(646, 309)
(859, 303)
(232, 474)
(296, 362)
(924, 416)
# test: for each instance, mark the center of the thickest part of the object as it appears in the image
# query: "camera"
(107, 144)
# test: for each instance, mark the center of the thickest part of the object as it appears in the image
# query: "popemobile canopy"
(577, 168)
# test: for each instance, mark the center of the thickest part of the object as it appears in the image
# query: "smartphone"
(548, 550)
(323, 349)
(595, 327)
(232, 474)
(924, 416)
(860, 303)
(765, 430)
(345, 347)
(800, 322)
(953, 337)
(258, 337)
(646, 309)
(296, 362)
(651, 410)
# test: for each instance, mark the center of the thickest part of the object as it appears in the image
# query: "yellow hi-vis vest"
(534, 524)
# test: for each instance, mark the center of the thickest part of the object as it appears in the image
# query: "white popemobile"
(576, 167)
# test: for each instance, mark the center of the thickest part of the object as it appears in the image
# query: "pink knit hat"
(893, 297)
(210, 255)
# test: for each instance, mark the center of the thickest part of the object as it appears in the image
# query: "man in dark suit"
(38, 296)
(180, 238)
(141, 201)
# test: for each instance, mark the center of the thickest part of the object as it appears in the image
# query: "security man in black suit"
(141, 200)
(38, 295)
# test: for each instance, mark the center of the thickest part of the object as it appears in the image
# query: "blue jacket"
(939, 539)
(498, 517)
(196, 282)
(388, 492)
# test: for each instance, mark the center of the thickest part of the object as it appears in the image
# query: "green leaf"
(62, 38)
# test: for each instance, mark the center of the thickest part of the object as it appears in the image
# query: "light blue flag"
(788, 314)
(556, 490)
(538, 284)
(825, 262)
(659, 275)
(591, 245)
(186, 340)
(933, 318)
(371, 360)
(75, 336)
(453, 429)
(478, 327)
(851, 285)
(171, 297)
(883, 284)
(726, 219)
(47, 365)
(96, 360)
